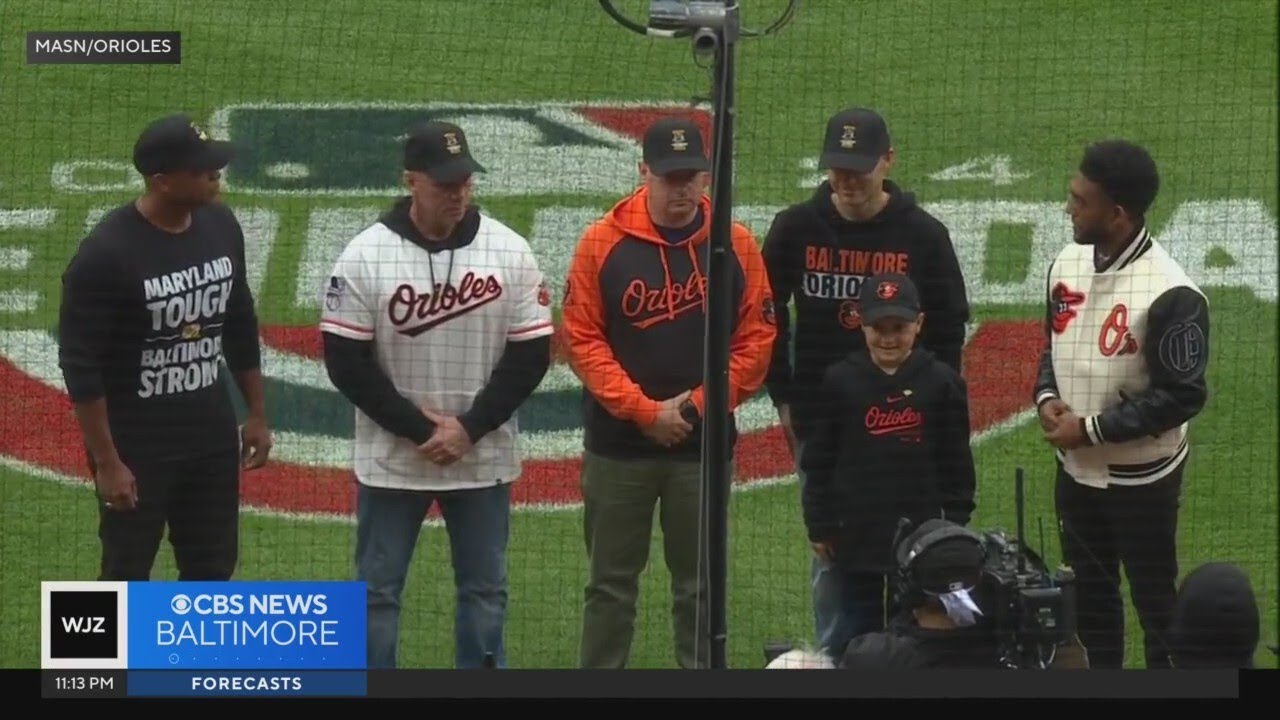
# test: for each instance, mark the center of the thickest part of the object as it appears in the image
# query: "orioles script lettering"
(447, 302)
(646, 305)
(882, 422)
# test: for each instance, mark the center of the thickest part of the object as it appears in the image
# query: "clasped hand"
(1061, 425)
(670, 428)
(448, 443)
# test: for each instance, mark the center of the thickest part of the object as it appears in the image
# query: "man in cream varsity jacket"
(1121, 376)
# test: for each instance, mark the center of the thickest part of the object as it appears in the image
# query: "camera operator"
(940, 568)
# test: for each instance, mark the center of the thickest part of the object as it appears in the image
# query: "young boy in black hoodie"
(891, 441)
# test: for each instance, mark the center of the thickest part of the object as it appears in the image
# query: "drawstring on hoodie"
(431, 268)
(666, 274)
(697, 273)
(630, 218)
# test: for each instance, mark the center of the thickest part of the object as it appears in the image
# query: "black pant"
(866, 602)
(1131, 524)
(198, 498)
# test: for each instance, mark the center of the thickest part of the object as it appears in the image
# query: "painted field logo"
(562, 150)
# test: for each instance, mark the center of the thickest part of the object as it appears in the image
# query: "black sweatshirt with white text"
(819, 260)
(146, 319)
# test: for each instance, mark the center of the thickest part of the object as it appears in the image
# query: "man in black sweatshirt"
(890, 441)
(437, 327)
(819, 254)
(153, 301)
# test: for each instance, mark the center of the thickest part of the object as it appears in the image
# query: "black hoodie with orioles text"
(819, 260)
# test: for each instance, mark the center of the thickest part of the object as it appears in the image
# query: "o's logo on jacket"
(768, 312)
(850, 318)
(1115, 337)
(1065, 301)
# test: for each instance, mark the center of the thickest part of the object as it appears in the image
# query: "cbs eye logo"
(180, 604)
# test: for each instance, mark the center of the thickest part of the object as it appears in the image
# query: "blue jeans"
(387, 527)
(840, 606)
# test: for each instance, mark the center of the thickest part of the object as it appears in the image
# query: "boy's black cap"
(856, 139)
(888, 295)
(674, 144)
(440, 150)
(174, 142)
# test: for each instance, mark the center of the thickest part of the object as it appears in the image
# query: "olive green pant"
(619, 498)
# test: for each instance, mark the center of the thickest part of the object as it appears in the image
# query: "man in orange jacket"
(634, 319)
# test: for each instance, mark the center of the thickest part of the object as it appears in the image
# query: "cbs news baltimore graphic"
(174, 639)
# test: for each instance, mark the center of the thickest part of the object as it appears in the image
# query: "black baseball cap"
(174, 143)
(440, 150)
(888, 295)
(856, 139)
(674, 144)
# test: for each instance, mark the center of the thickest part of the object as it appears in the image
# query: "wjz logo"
(83, 624)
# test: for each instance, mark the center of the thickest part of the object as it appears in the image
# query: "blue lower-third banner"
(223, 683)
(284, 626)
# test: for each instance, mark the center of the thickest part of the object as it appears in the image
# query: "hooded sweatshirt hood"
(630, 216)
(900, 203)
(398, 220)
(920, 360)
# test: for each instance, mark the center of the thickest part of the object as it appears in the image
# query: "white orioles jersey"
(439, 321)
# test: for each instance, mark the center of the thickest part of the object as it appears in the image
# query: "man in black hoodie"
(820, 252)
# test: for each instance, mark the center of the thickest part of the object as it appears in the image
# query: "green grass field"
(1027, 82)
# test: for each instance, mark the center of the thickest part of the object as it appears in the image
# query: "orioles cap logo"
(887, 290)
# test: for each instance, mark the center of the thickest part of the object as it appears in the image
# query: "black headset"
(917, 544)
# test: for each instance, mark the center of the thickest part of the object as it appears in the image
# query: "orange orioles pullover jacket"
(634, 319)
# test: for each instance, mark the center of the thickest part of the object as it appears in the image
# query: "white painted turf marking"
(35, 353)
(14, 464)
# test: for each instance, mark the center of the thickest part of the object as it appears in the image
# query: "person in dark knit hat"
(941, 626)
(1215, 620)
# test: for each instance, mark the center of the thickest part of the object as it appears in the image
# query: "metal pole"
(717, 464)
